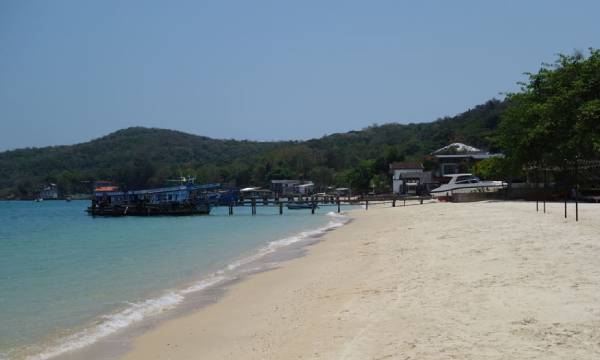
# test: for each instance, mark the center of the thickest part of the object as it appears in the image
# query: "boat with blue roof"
(187, 198)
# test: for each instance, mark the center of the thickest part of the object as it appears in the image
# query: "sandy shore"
(438, 281)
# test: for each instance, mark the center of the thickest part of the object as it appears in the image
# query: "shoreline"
(493, 280)
(106, 340)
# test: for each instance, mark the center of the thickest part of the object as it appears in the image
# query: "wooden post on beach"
(537, 185)
(576, 207)
(544, 203)
(576, 192)
(545, 188)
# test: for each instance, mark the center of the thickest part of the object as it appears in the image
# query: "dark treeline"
(142, 157)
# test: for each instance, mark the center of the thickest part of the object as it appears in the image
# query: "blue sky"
(75, 70)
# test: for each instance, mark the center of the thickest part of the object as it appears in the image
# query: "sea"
(68, 280)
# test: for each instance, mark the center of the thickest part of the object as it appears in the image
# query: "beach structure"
(342, 191)
(255, 192)
(49, 192)
(457, 158)
(186, 199)
(292, 187)
(104, 186)
(307, 188)
(285, 187)
(408, 177)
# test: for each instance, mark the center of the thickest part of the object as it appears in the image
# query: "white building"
(407, 177)
(306, 189)
(49, 191)
(458, 158)
(292, 187)
(285, 187)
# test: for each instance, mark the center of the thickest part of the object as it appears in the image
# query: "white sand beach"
(491, 280)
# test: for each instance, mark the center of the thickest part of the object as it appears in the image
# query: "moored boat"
(186, 199)
(465, 183)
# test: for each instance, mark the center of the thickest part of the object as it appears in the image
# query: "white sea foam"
(138, 311)
(112, 323)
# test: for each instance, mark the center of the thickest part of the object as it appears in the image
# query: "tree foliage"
(555, 119)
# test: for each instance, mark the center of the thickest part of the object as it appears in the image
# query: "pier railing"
(312, 203)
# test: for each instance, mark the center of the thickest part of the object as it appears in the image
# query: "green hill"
(140, 157)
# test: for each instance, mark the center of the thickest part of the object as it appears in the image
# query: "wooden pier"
(313, 203)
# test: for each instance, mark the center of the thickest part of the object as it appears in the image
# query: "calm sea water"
(67, 279)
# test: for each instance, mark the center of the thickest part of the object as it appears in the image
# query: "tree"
(556, 116)
(495, 168)
(360, 176)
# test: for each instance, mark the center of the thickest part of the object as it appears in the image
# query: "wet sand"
(492, 280)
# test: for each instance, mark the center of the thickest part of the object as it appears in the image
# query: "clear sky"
(75, 70)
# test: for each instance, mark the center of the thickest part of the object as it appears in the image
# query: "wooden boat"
(185, 199)
(173, 209)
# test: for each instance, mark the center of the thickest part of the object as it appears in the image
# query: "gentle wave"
(138, 311)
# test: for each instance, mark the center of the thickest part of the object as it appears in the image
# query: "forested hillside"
(141, 157)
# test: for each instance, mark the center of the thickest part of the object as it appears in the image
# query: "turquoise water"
(67, 279)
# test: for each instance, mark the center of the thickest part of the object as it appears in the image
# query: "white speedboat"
(465, 183)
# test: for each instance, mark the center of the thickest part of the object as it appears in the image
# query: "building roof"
(106, 188)
(457, 148)
(255, 188)
(473, 156)
(285, 181)
(406, 166)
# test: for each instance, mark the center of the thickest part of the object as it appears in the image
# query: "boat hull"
(149, 210)
(445, 191)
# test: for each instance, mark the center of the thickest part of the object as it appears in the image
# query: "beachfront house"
(292, 187)
(408, 177)
(306, 189)
(285, 187)
(255, 192)
(49, 191)
(457, 158)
